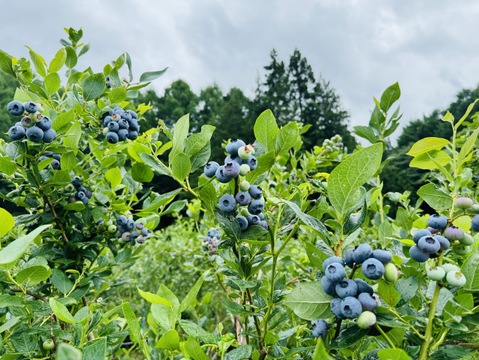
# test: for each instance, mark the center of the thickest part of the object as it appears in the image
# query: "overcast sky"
(430, 47)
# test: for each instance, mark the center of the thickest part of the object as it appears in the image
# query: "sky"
(361, 47)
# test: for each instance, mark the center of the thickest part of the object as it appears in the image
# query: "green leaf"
(61, 281)
(320, 353)
(448, 117)
(193, 349)
(114, 177)
(11, 301)
(152, 75)
(142, 173)
(7, 222)
(169, 341)
(426, 145)
(466, 114)
(197, 332)
(117, 94)
(346, 179)
(308, 301)
(434, 197)
(38, 62)
(431, 160)
(154, 298)
(72, 57)
(155, 164)
(287, 137)
(390, 96)
(33, 274)
(133, 324)
(190, 298)
(95, 350)
(265, 162)
(393, 354)
(265, 130)
(6, 63)
(61, 311)
(366, 132)
(468, 147)
(52, 83)
(93, 86)
(7, 166)
(306, 219)
(388, 293)
(242, 352)
(180, 132)
(181, 166)
(68, 161)
(13, 251)
(72, 137)
(58, 61)
(470, 269)
(196, 142)
(68, 352)
(63, 119)
(128, 64)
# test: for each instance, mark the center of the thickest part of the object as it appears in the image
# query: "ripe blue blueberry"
(417, 255)
(210, 168)
(429, 245)
(113, 126)
(56, 156)
(453, 233)
(335, 306)
(264, 224)
(373, 268)
(231, 169)
(123, 134)
(34, 134)
(367, 301)
(351, 307)
(123, 124)
(235, 159)
(80, 195)
(345, 288)
(145, 232)
(382, 255)
(27, 122)
(112, 137)
(335, 272)
(134, 126)
(445, 244)
(121, 220)
(213, 233)
(227, 203)
(243, 198)
(30, 107)
(463, 202)
(364, 287)
(84, 200)
(332, 259)
(55, 164)
(255, 192)
(130, 224)
(132, 135)
(49, 135)
(348, 257)
(16, 132)
(362, 252)
(328, 286)
(253, 219)
(320, 328)
(77, 182)
(45, 123)
(139, 225)
(475, 223)
(251, 162)
(221, 176)
(255, 207)
(134, 234)
(420, 233)
(233, 146)
(15, 108)
(243, 222)
(133, 114)
(437, 221)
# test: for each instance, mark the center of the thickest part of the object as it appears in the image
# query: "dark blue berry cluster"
(211, 241)
(128, 230)
(55, 164)
(78, 191)
(34, 125)
(120, 124)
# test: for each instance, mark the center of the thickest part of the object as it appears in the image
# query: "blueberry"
(460, 249)
(255, 207)
(55, 164)
(113, 126)
(436, 274)
(467, 240)
(335, 306)
(133, 114)
(320, 328)
(126, 116)
(246, 151)
(134, 234)
(88, 194)
(16, 132)
(34, 134)
(417, 255)
(213, 233)
(233, 146)
(56, 156)
(420, 233)
(454, 233)
(227, 203)
(134, 126)
(456, 278)
(445, 244)
(391, 273)
(106, 120)
(437, 221)
(367, 301)
(255, 192)
(243, 198)
(112, 137)
(429, 245)
(45, 123)
(145, 232)
(43, 157)
(382, 255)
(243, 222)
(235, 159)
(132, 135)
(362, 252)
(328, 286)
(15, 108)
(351, 307)
(264, 224)
(450, 267)
(27, 122)
(80, 195)
(130, 224)
(332, 259)
(77, 182)
(49, 135)
(373, 268)
(335, 272)
(139, 225)
(345, 288)
(253, 219)
(251, 162)
(221, 176)
(30, 107)
(123, 134)
(123, 124)
(85, 200)
(121, 220)
(140, 239)
(366, 320)
(364, 287)
(118, 110)
(244, 169)
(231, 169)
(348, 257)
(475, 223)
(463, 202)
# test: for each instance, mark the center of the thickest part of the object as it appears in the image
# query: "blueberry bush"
(276, 253)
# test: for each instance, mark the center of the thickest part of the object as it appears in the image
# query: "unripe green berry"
(48, 344)
(436, 274)
(463, 202)
(366, 320)
(450, 267)
(244, 186)
(467, 240)
(112, 229)
(475, 208)
(244, 169)
(391, 273)
(456, 278)
(460, 249)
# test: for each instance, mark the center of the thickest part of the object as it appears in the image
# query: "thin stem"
(430, 323)
(384, 335)
(440, 341)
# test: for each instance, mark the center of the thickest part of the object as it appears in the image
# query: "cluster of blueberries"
(55, 164)
(211, 241)
(239, 162)
(125, 229)
(78, 191)
(120, 124)
(354, 298)
(34, 125)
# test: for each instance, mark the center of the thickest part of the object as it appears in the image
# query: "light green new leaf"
(63, 119)
(61, 311)
(154, 298)
(152, 75)
(13, 251)
(194, 350)
(320, 353)
(366, 132)
(7, 166)
(190, 298)
(309, 301)
(426, 145)
(393, 354)
(287, 137)
(265, 130)
(390, 96)
(197, 332)
(52, 83)
(38, 62)
(7, 222)
(169, 341)
(114, 177)
(156, 165)
(117, 94)
(346, 179)
(72, 58)
(468, 147)
(434, 197)
(68, 352)
(58, 61)
(133, 324)
(180, 132)
(431, 160)
(470, 269)
(466, 114)
(181, 166)
(72, 137)
(93, 86)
